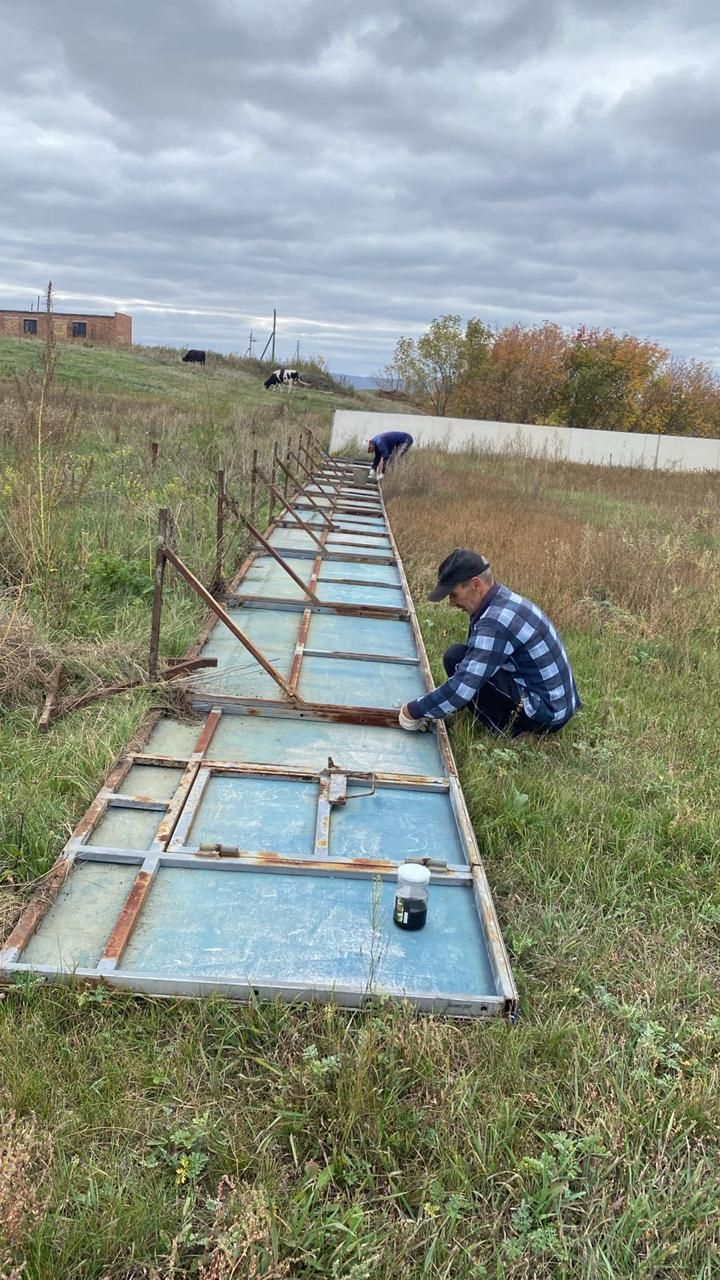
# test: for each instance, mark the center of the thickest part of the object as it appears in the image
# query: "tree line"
(541, 374)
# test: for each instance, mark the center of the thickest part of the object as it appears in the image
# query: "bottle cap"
(414, 873)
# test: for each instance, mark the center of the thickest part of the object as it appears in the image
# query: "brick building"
(110, 331)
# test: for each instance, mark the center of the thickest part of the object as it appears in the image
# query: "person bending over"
(387, 447)
(514, 671)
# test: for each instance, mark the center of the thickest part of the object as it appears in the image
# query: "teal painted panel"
(361, 635)
(150, 782)
(365, 572)
(173, 738)
(348, 682)
(126, 828)
(257, 814)
(238, 673)
(395, 824)
(74, 932)
(324, 930)
(268, 578)
(308, 743)
(341, 593)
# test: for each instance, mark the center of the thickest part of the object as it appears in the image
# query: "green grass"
(158, 373)
(172, 1139)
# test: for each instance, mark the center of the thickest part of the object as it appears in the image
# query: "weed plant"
(159, 1140)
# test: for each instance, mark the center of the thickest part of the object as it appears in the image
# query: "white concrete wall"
(607, 448)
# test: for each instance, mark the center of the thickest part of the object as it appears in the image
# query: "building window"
(29, 326)
(79, 329)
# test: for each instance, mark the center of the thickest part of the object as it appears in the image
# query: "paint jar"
(411, 896)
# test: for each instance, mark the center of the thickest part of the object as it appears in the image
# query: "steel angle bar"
(344, 996)
(179, 837)
(305, 527)
(300, 650)
(386, 717)
(304, 587)
(341, 607)
(228, 622)
(354, 656)
(128, 917)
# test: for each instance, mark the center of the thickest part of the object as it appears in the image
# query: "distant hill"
(357, 380)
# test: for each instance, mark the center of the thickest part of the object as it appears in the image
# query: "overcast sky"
(364, 167)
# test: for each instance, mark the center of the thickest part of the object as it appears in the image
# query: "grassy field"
(159, 1140)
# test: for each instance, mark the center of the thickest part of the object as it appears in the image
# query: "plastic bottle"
(411, 896)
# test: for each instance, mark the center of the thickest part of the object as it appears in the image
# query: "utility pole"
(272, 352)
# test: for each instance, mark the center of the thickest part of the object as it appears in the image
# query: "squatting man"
(514, 671)
(386, 447)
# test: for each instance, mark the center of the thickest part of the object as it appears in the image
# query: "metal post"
(273, 478)
(272, 349)
(163, 517)
(253, 484)
(219, 531)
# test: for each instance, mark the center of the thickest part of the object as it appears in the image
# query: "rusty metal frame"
(195, 771)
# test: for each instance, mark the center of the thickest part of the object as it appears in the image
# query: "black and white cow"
(194, 357)
(284, 378)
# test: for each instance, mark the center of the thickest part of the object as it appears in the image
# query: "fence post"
(253, 485)
(273, 478)
(154, 451)
(220, 531)
(159, 578)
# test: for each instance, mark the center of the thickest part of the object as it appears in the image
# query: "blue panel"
(268, 578)
(74, 932)
(340, 593)
(308, 743)
(395, 824)
(173, 738)
(295, 539)
(351, 683)
(365, 572)
(126, 828)
(257, 814)
(307, 929)
(150, 782)
(353, 545)
(238, 672)
(361, 635)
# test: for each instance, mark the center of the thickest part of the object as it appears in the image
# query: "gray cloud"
(364, 168)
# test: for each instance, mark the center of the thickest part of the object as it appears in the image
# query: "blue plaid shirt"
(510, 634)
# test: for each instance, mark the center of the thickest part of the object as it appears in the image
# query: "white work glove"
(413, 726)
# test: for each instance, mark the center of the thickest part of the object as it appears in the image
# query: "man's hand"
(413, 726)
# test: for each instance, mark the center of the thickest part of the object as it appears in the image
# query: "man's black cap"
(460, 565)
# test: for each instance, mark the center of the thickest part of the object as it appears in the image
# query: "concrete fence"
(572, 444)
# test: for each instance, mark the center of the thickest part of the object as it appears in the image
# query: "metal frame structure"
(332, 521)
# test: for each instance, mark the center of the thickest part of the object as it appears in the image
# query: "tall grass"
(164, 1140)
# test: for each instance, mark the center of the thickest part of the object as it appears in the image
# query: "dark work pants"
(496, 704)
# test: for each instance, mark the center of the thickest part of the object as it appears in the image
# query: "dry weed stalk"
(25, 1157)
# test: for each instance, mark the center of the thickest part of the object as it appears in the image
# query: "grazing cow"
(194, 357)
(284, 378)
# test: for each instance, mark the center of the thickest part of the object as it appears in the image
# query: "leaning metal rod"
(223, 616)
(310, 499)
(293, 513)
(276, 555)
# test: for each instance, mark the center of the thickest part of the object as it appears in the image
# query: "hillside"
(158, 373)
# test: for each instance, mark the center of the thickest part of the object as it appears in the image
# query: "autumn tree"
(433, 366)
(523, 376)
(608, 378)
